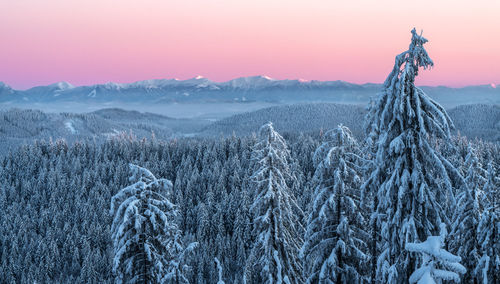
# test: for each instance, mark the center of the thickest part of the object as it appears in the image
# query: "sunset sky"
(96, 41)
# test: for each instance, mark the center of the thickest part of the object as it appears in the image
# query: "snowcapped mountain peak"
(196, 79)
(198, 82)
(259, 78)
(62, 85)
(4, 86)
(251, 82)
(112, 86)
(5, 89)
(153, 83)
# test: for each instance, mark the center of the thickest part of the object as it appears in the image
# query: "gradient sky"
(96, 41)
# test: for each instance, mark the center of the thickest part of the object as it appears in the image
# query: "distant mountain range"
(245, 89)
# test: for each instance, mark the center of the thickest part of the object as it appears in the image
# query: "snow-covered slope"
(5, 89)
(24, 126)
(474, 121)
(61, 86)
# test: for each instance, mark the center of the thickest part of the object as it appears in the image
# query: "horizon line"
(199, 77)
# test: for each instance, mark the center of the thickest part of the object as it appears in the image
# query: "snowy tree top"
(416, 56)
(340, 136)
(267, 130)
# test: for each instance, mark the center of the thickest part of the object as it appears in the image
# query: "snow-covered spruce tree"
(412, 181)
(277, 228)
(488, 232)
(369, 198)
(437, 264)
(464, 239)
(146, 241)
(334, 249)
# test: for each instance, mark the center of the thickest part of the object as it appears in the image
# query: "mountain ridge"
(242, 89)
(230, 82)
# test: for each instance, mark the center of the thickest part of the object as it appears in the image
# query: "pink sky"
(96, 41)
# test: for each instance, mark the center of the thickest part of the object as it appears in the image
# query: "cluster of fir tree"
(55, 198)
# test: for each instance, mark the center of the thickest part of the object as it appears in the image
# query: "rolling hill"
(474, 121)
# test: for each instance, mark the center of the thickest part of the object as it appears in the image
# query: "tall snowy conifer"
(277, 228)
(465, 241)
(410, 178)
(488, 232)
(147, 243)
(334, 248)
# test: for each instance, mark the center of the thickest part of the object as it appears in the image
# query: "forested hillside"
(291, 118)
(474, 121)
(477, 121)
(19, 127)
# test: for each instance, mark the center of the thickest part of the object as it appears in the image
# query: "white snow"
(208, 84)
(433, 256)
(69, 125)
(113, 86)
(219, 271)
(62, 85)
(432, 246)
(251, 82)
(152, 84)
